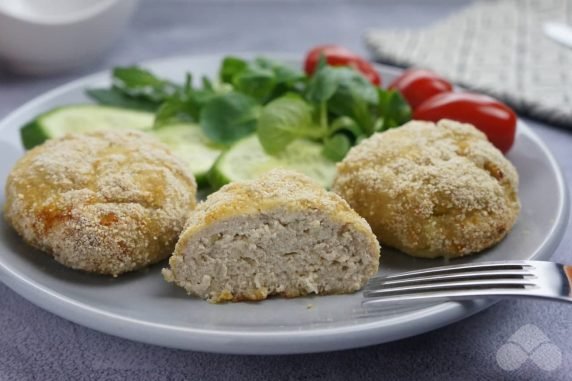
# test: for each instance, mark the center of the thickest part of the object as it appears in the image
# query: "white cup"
(49, 36)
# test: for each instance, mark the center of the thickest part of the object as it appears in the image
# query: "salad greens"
(229, 117)
(140, 83)
(336, 106)
(285, 119)
(115, 97)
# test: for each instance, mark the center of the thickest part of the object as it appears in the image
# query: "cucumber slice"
(82, 118)
(187, 141)
(247, 160)
(192, 146)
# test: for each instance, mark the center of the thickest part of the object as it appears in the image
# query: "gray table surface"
(36, 345)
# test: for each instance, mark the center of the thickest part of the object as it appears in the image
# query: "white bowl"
(43, 37)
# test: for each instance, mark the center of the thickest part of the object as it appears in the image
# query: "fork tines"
(448, 282)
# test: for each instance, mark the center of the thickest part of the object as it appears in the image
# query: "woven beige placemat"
(495, 47)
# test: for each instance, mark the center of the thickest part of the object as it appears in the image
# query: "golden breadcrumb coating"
(105, 202)
(431, 190)
(281, 234)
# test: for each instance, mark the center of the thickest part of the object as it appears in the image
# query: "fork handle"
(568, 272)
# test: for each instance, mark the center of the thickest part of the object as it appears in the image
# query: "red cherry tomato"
(340, 56)
(418, 85)
(490, 116)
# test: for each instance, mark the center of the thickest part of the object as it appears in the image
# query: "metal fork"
(506, 279)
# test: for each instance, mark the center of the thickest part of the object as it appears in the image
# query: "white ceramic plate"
(142, 307)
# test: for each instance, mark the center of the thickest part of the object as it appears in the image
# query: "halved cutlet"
(281, 234)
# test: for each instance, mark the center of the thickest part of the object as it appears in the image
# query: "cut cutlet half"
(281, 234)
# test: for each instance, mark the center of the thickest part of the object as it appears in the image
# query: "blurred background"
(497, 47)
(176, 27)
